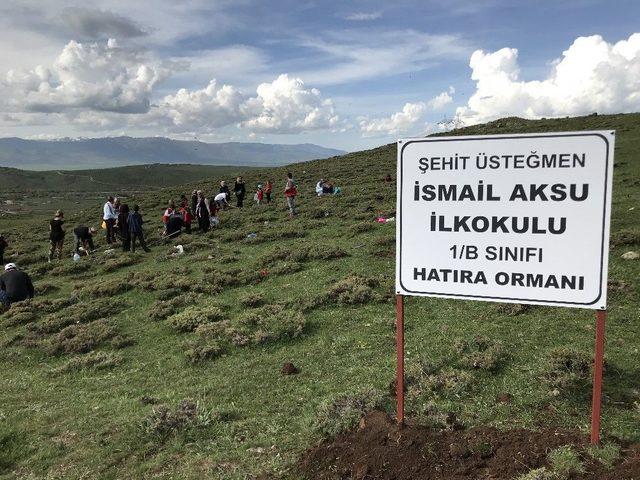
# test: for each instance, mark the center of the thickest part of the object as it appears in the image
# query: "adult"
(83, 237)
(268, 187)
(135, 229)
(224, 188)
(290, 192)
(240, 191)
(56, 235)
(174, 224)
(3, 245)
(202, 211)
(123, 227)
(194, 201)
(167, 213)
(221, 201)
(319, 187)
(17, 285)
(110, 216)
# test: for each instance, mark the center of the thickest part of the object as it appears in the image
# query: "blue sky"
(349, 75)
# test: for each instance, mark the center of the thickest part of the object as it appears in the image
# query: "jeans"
(291, 201)
(111, 231)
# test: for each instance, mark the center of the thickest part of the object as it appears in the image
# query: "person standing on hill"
(123, 227)
(268, 187)
(194, 201)
(224, 188)
(135, 229)
(83, 236)
(56, 235)
(109, 216)
(16, 285)
(240, 191)
(3, 245)
(290, 192)
(202, 212)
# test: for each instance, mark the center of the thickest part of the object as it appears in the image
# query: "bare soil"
(379, 450)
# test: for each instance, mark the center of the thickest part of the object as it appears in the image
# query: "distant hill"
(72, 154)
(135, 177)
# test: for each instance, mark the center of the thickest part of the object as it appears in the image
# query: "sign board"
(520, 218)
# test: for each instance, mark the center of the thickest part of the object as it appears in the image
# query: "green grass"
(66, 418)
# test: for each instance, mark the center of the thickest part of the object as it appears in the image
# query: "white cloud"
(399, 122)
(287, 106)
(405, 120)
(283, 106)
(93, 76)
(592, 76)
(363, 16)
(441, 100)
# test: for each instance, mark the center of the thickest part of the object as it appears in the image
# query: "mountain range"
(90, 153)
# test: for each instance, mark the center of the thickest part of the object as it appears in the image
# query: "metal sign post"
(400, 358)
(596, 402)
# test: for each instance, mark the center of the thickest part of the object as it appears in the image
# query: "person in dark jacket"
(224, 188)
(56, 235)
(16, 284)
(202, 212)
(3, 245)
(240, 191)
(135, 229)
(194, 201)
(83, 237)
(123, 227)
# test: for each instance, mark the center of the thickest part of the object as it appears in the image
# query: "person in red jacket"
(267, 190)
(291, 191)
(187, 217)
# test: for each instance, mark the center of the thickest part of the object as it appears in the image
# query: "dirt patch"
(379, 450)
(289, 368)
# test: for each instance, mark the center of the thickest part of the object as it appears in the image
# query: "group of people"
(125, 225)
(325, 187)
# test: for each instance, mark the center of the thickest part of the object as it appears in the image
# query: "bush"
(162, 309)
(113, 264)
(480, 353)
(567, 368)
(344, 413)
(565, 461)
(428, 379)
(362, 227)
(80, 338)
(99, 290)
(199, 351)
(93, 360)
(352, 290)
(164, 421)
(193, 316)
(538, 474)
(252, 300)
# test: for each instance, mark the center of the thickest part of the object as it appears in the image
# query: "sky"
(349, 75)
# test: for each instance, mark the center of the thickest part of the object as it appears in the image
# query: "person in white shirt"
(109, 216)
(221, 200)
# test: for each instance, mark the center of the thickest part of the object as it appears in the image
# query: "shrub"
(426, 379)
(344, 412)
(81, 338)
(113, 264)
(93, 360)
(252, 300)
(625, 237)
(566, 368)
(193, 316)
(79, 313)
(565, 461)
(327, 252)
(480, 353)
(199, 351)
(162, 309)
(164, 421)
(353, 290)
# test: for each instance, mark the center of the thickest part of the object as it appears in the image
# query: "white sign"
(506, 218)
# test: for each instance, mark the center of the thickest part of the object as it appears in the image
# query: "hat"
(59, 213)
(10, 266)
(93, 229)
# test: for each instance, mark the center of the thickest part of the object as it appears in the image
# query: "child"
(267, 190)
(259, 195)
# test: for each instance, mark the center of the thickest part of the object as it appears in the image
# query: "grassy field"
(96, 371)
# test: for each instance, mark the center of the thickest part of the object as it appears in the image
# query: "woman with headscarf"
(202, 212)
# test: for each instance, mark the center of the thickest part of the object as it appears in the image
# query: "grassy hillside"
(134, 177)
(96, 371)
